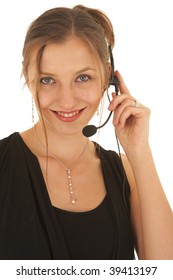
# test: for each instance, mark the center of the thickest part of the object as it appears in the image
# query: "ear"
(108, 76)
(109, 70)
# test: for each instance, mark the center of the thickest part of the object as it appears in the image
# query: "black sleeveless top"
(85, 232)
(32, 229)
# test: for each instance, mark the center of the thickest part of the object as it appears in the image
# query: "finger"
(118, 100)
(122, 86)
(133, 113)
(120, 109)
(129, 113)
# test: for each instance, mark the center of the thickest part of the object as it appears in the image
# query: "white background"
(143, 54)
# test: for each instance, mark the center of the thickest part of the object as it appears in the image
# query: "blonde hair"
(57, 24)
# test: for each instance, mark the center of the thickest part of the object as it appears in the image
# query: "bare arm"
(152, 218)
(151, 214)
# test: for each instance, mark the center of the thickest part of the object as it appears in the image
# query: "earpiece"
(113, 79)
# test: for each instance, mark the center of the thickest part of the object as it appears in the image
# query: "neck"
(66, 148)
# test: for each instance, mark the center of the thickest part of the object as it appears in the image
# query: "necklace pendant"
(68, 170)
(73, 201)
(70, 186)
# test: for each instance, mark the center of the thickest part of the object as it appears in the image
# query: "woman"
(61, 195)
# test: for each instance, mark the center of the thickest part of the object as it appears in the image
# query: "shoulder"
(6, 144)
(109, 155)
(112, 159)
(118, 163)
(112, 163)
(7, 141)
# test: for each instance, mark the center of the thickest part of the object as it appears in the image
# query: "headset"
(90, 130)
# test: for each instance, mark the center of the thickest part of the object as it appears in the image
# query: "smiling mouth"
(68, 115)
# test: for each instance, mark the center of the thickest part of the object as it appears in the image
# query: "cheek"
(43, 99)
(95, 99)
(46, 96)
(92, 94)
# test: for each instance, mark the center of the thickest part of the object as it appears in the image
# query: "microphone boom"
(90, 130)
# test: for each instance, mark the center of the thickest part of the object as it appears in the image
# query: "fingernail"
(110, 107)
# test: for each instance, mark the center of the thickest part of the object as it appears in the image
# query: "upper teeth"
(68, 115)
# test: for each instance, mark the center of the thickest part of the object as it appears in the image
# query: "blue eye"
(83, 78)
(46, 80)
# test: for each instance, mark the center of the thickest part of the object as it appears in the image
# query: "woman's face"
(70, 87)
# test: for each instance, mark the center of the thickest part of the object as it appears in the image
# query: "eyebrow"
(78, 72)
(85, 69)
(46, 73)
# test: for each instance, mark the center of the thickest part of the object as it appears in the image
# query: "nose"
(66, 97)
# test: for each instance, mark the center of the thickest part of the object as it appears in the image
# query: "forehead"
(64, 59)
(74, 52)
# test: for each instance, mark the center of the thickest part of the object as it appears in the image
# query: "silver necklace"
(68, 170)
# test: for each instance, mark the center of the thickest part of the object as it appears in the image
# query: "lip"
(68, 116)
